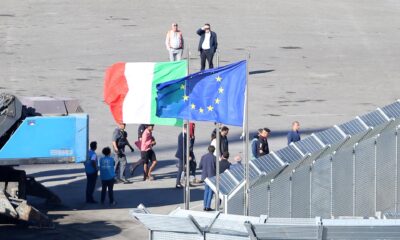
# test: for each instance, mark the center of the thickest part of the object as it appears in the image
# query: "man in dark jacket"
(224, 144)
(207, 164)
(181, 155)
(223, 140)
(119, 141)
(207, 45)
(224, 164)
(262, 144)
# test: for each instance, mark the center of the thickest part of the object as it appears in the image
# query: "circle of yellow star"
(219, 79)
(220, 90)
(201, 110)
(193, 106)
(185, 97)
(210, 108)
(217, 100)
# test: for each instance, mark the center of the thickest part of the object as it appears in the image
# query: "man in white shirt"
(174, 43)
(207, 45)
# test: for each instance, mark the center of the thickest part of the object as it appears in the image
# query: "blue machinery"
(47, 139)
(35, 131)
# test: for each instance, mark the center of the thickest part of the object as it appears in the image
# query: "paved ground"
(319, 62)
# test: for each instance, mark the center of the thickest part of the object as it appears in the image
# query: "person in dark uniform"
(91, 172)
(262, 143)
(181, 155)
(119, 141)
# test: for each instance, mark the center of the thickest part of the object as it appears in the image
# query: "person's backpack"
(122, 141)
(141, 129)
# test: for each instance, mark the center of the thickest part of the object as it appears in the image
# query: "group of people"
(208, 161)
(207, 47)
(259, 147)
(107, 174)
(116, 171)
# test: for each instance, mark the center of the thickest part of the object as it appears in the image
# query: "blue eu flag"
(215, 95)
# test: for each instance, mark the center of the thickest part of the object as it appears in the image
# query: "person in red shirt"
(146, 148)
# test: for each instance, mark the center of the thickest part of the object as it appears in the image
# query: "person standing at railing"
(294, 134)
(262, 143)
(254, 145)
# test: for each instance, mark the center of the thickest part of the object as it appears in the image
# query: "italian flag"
(130, 90)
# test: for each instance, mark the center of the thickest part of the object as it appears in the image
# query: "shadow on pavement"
(76, 231)
(150, 193)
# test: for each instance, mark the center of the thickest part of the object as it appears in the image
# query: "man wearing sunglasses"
(207, 45)
(174, 43)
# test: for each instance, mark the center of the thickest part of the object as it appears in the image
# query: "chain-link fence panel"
(258, 200)
(301, 192)
(386, 171)
(342, 183)
(280, 197)
(236, 203)
(364, 178)
(321, 187)
(397, 169)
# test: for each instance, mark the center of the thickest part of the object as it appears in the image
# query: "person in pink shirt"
(146, 148)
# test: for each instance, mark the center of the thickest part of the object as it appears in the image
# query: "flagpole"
(246, 147)
(187, 187)
(218, 153)
(183, 162)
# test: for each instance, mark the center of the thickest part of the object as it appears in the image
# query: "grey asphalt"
(318, 62)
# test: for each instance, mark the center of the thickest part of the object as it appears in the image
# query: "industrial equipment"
(36, 130)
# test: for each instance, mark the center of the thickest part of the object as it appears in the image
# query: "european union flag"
(215, 95)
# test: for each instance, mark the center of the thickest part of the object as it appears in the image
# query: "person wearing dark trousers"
(192, 167)
(181, 155)
(107, 175)
(91, 172)
(119, 141)
(224, 143)
(207, 165)
(147, 153)
(208, 45)
(192, 127)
